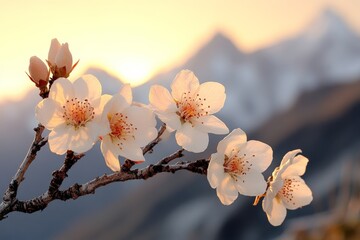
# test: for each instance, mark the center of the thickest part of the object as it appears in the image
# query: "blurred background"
(292, 75)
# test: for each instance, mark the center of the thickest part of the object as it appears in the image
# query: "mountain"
(185, 207)
(270, 80)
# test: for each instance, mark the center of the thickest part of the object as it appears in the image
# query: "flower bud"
(60, 59)
(64, 59)
(39, 73)
(54, 49)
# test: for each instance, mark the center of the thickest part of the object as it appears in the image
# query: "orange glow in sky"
(135, 39)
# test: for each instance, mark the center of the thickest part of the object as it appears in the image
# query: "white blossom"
(237, 167)
(72, 113)
(130, 128)
(189, 108)
(287, 190)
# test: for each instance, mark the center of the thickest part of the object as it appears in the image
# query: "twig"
(11, 193)
(199, 166)
(175, 155)
(61, 174)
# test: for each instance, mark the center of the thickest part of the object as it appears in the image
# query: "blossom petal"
(226, 191)
(289, 155)
(116, 104)
(144, 122)
(184, 82)
(214, 96)
(235, 139)
(251, 184)
(54, 49)
(64, 58)
(298, 196)
(258, 153)
(126, 92)
(60, 138)
(215, 172)
(276, 212)
(297, 168)
(131, 150)
(109, 151)
(61, 90)
(191, 139)
(49, 113)
(84, 138)
(87, 87)
(211, 124)
(160, 98)
(172, 120)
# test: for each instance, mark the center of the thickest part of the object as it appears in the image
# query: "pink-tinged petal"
(297, 168)
(87, 87)
(215, 171)
(277, 213)
(144, 122)
(129, 149)
(54, 49)
(232, 141)
(213, 95)
(83, 138)
(226, 191)
(99, 104)
(258, 154)
(172, 121)
(160, 98)
(191, 139)
(49, 113)
(295, 193)
(211, 124)
(126, 92)
(184, 82)
(64, 58)
(251, 184)
(61, 90)
(59, 139)
(116, 104)
(289, 155)
(109, 151)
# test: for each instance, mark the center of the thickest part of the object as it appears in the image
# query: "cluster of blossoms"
(78, 115)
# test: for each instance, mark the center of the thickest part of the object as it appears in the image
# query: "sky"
(136, 39)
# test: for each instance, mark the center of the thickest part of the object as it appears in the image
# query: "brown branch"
(76, 190)
(9, 197)
(61, 174)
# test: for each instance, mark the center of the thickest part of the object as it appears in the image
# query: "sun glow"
(137, 40)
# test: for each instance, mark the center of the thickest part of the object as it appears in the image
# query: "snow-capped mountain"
(269, 80)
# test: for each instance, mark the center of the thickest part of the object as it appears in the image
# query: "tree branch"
(10, 195)
(75, 191)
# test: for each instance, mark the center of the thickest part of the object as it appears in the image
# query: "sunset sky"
(135, 39)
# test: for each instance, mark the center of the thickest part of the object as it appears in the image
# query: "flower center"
(120, 127)
(78, 113)
(287, 191)
(191, 106)
(236, 165)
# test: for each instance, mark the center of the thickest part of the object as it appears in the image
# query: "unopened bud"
(38, 71)
(60, 59)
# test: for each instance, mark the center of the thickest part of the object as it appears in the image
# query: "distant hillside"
(185, 207)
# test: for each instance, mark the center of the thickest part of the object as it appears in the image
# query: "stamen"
(78, 113)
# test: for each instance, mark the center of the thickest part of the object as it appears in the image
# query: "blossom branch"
(75, 191)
